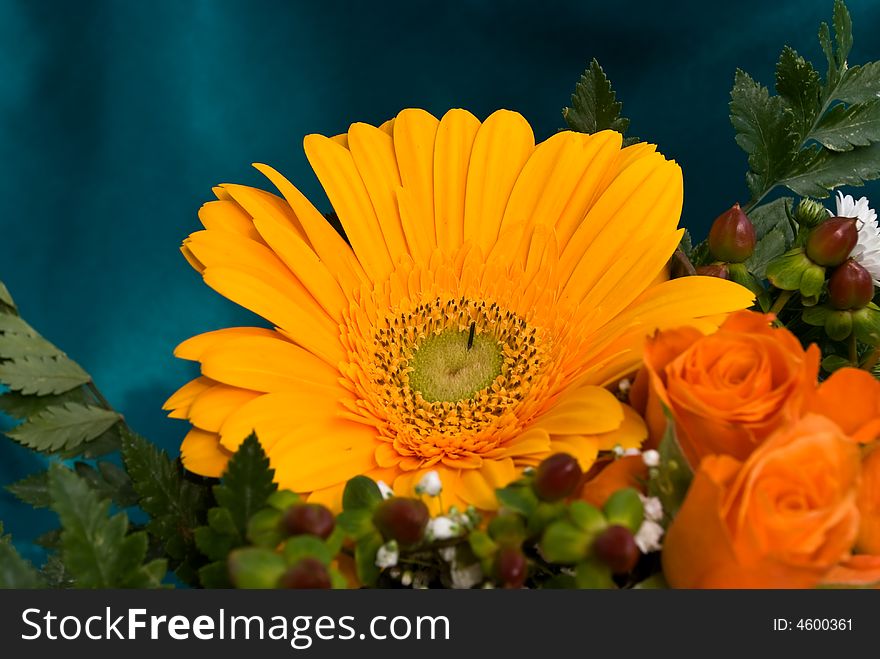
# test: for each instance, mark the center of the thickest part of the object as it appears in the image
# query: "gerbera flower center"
(454, 365)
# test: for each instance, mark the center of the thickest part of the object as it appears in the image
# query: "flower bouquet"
(498, 363)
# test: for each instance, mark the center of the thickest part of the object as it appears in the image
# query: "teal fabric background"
(117, 117)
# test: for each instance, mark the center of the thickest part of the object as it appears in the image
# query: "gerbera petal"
(502, 146)
(202, 454)
(585, 449)
(212, 407)
(193, 348)
(479, 485)
(452, 153)
(586, 411)
(265, 364)
(414, 134)
(223, 215)
(631, 433)
(336, 170)
(179, 403)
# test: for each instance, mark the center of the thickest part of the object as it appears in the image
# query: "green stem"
(781, 301)
(853, 350)
(871, 360)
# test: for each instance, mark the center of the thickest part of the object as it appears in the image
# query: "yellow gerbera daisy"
(491, 290)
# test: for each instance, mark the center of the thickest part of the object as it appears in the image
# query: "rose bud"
(732, 237)
(511, 567)
(402, 519)
(307, 573)
(714, 270)
(831, 242)
(850, 286)
(616, 547)
(556, 477)
(308, 518)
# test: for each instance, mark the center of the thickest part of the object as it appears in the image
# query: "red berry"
(556, 477)
(850, 286)
(616, 547)
(402, 519)
(511, 567)
(831, 242)
(714, 270)
(307, 573)
(308, 518)
(732, 237)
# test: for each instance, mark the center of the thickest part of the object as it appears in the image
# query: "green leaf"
(256, 568)
(843, 128)
(798, 83)
(215, 575)
(674, 475)
(33, 490)
(247, 483)
(306, 546)
(176, 506)
(14, 345)
(860, 84)
(762, 131)
(818, 170)
(6, 298)
(766, 249)
(213, 544)
(41, 376)
(518, 498)
(774, 215)
(842, 33)
(95, 548)
(357, 522)
(13, 323)
(833, 363)
(565, 543)
(64, 427)
(20, 406)
(365, 558)
(123, 496)
(55, 574)
(594, 105)
(625, 507)
(361, 493)
(16, 572)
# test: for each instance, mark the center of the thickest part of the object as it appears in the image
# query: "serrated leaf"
(860, 84)
(64, 427)
(6, 297)
(246, 483)
(14, 345)
(818, 170)
(215, 575)
(21, 406)
(594, 105)
(843, 128)
(13, 323)
(798, 83)
(121, 493)
(213, 544)
(842, 33)
(774, 215)
(33, 490)
(766, 249)
(762, 131)
(176, 506)
(95, 548)
(55, 574)
(16, 572)
(33, 375)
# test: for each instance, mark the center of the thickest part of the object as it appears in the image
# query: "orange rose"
(727, 391)
(859, 571)
(850, 398)
(869, 504)
(782, 519)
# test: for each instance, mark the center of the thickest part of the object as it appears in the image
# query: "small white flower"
(443, 528)
(617, 450)
(648, 537)
(867, 251)
(447, 554)
(624, 385)
(406, 579)
(628, 453)
(387, 555)
(652, 507)
(465, 576)
(651, 458)
(384, 490)
(430, 484)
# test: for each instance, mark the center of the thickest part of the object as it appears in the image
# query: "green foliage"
(16, 572)
(670, 481)
(42, 375)
(594, 104)
(176, 506)
(244, 489)
(96, 549)
(812, 137)
(64, 427)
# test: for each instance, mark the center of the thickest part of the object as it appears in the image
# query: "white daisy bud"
(430, 484)
(387, 555)
(386, 491)
(651, 458)
(648, 537)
